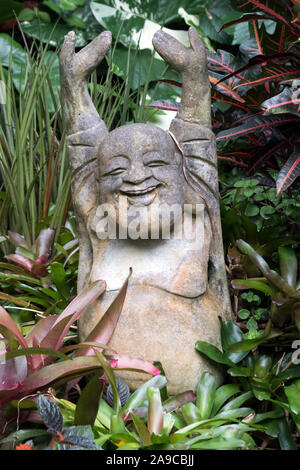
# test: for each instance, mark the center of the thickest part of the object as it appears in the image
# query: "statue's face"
(139, 162)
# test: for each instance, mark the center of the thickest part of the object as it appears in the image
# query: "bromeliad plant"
(39, 279)
(283, 288)
(146, 421)
(28, 363)
(270, 378)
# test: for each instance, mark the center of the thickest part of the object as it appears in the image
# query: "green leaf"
(117, 425)
(231, 334)
(39, 351)
(139, 67)
(288, 265)
(238, 401)
(251, 210)
(155, 410)
(22, 435)
(223, 393)
(111, 378)
(243, 314)
(141, 429)
(240, 372)
(248, 344)
(140, 395)
(276, 413)
(10, 9)
(191, 413)
(267, 211)
(252, 284)
(59, 277)
(88, 403)
(219, 444)
(293, 395)
(47, 32)
(234, 413)
(285, 436)
(206, 391)
(213, 353)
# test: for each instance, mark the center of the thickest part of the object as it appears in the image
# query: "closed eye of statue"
(156, 163)
(114, 171)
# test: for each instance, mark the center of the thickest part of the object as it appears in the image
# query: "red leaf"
(75, 309)
(43, 245)
(289, 172)
(121, 361)
(255, 124)
(22, 260)
(17, 239)
(226, 89)
(104, 329)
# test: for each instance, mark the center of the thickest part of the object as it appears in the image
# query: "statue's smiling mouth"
(139, 197)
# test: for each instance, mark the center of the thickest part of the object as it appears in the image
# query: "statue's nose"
(137, 174)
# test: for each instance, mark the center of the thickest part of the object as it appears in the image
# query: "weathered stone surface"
(178, 288)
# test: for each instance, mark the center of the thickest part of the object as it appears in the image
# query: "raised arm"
(75, 69)
(85, 130)
(190, 62)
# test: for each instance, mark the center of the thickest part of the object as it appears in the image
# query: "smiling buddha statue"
(178, 287)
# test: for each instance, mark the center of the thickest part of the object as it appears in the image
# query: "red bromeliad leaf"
(121, 361)
(43, 245)
(104, 329)
(67, 370)
(17, 239)
(255, 124)
(13, 373)
(167, 105)
(36, 336)
(75, 309)
(289, 172)
(9, 329)
(22, 260)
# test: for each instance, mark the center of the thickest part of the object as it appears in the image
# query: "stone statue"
(177, 291)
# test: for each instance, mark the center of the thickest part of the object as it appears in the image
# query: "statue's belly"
(159, 326)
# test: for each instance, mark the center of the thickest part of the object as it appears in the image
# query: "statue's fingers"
(68, 47)
(196, 41)
(171, 50)
(92, 54)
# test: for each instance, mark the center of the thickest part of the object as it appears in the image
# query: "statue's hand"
(76, 67)
(190, 60)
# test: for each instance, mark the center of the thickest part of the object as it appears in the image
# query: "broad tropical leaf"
(255, 124)
(289, 172)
